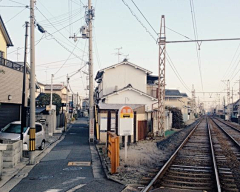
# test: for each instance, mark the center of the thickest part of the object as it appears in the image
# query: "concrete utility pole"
(32, 86)
(51, 92)
(87, 33)
(67, 102)
(23, 108)
(161, 78)
(91, 104)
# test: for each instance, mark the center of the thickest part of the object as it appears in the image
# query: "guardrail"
(113, 151)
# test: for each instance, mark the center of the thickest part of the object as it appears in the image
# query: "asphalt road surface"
(68, 167)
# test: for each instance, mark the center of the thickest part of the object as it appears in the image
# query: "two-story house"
(122, 84)
(11, 81)
(173, 98)
(59, 89)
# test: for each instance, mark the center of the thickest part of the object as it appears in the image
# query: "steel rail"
(168, 163)
(214, 158)
(228, 125)
(235, 142)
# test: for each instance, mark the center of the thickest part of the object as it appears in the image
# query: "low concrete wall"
(13, 153)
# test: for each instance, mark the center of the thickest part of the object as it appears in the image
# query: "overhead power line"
(66, 59)
(48, 35)
(16, 15)
(57, 29)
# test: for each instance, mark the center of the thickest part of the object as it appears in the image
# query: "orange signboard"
(126, 112)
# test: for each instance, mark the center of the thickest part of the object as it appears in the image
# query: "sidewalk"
(9, 173)
(71, 165)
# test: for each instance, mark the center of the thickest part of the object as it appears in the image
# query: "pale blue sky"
(114, 27)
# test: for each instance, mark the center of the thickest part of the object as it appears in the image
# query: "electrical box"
(84, 31)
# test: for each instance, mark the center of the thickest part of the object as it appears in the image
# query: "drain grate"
(79, 163)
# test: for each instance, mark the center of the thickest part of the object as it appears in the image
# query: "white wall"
(130, 97)
(121, 76)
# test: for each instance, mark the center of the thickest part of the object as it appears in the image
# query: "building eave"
(5, 33)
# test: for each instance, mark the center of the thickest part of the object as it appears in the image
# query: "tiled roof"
(55, 87)
(118, 106)
(129, 86)
(172, 92)
(100, 72)
(184, 94)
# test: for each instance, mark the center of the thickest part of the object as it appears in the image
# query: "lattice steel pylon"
(161, 78)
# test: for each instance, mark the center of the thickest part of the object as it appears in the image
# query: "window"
(38, 128)
(13, 128)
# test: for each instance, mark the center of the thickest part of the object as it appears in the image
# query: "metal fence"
(12, 65)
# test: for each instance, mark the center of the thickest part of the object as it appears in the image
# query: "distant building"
(59, 89)
(173, 98)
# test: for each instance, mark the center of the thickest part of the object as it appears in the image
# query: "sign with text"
(125, 121)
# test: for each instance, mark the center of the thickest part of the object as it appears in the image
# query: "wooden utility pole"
(161, 78)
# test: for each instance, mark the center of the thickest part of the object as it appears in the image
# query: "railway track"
(191, 167)
(231, 131)
(207, 160)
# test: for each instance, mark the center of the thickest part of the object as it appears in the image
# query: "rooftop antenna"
(118, 52)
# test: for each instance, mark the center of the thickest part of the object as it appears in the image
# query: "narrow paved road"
(53, 174)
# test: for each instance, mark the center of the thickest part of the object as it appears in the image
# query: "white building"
(126, 84)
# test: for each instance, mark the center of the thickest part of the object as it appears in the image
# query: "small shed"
(108, 121)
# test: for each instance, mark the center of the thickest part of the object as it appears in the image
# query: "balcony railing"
(12, 65)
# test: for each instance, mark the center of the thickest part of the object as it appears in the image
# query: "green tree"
(45, 100)
(177, 118)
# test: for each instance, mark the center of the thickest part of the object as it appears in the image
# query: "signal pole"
(161, 78)
(32, 86)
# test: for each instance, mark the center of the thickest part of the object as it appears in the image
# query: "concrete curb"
(102, 159)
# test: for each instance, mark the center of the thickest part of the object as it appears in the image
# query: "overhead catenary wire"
(144, 17)
(169, 60)
(177, 73)
(139, 21)
(196, 37)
